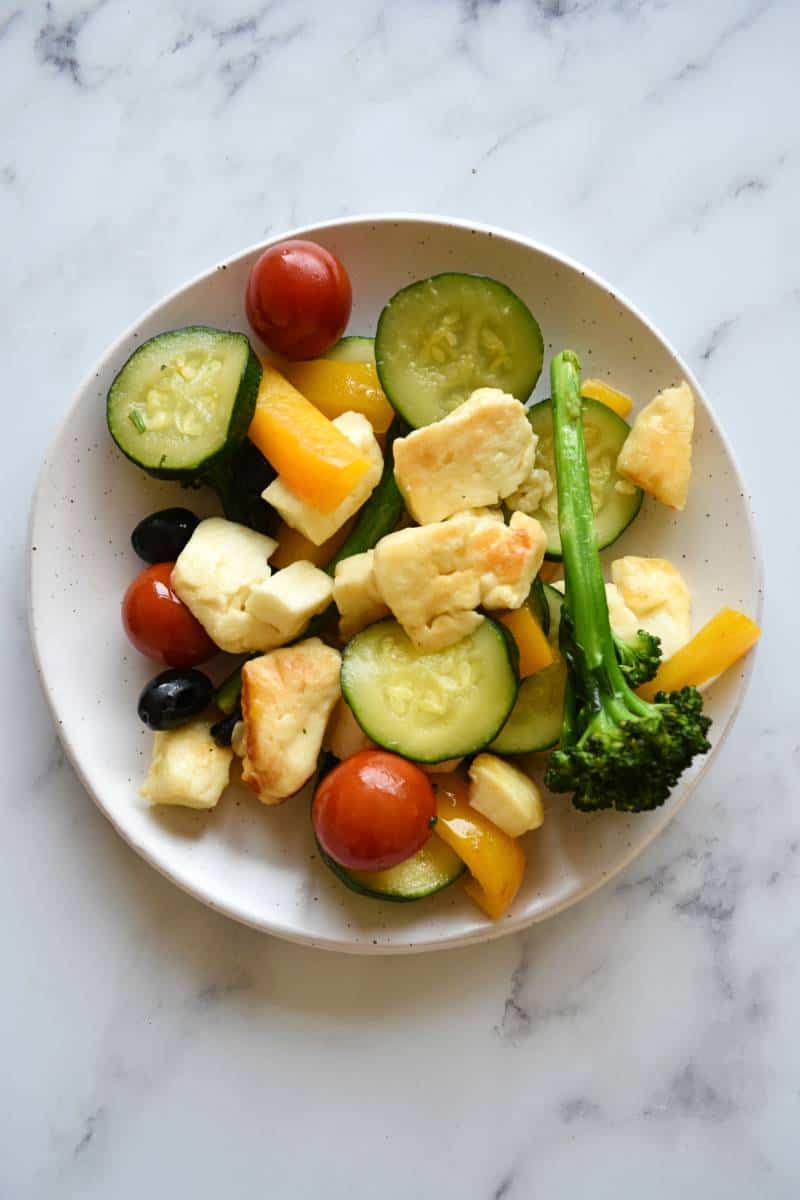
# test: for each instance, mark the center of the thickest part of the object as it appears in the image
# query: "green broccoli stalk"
(638, 657)
(616, 749)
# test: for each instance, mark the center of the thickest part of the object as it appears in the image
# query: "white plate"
(256, 864)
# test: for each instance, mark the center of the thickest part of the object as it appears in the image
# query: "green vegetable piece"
(638, 657)
(537, 602)
(441, 338)
(433, 705)
(182, 404)
(604, 433)
(433, 867)
(616, 750)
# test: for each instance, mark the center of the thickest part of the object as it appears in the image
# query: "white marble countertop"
(643, 1043)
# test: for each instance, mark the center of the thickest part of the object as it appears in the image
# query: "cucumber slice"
(353, 349)
(441, 338)
(604, 433)
(539, 604)
(184, 400)
(429, 706)
(535, 721)
(433, 867)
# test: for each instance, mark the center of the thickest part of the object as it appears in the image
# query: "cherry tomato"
(160, 625)
(298, 299)
(373, 811)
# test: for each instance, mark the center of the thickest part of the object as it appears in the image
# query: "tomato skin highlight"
(373, 811)
(160, 625)
(298, 299)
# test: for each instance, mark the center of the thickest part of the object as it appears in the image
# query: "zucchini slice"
(614, 508)
(429, 706)
(184, 400)
(433, 867)
(353, 349)
(535, 721)
(441, 338)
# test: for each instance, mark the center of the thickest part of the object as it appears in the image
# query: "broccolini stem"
(585, 587)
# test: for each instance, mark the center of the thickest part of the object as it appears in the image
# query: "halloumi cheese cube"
(474, 457)
(288, 600)
(510, 799)
(214, 576)
(657, 453)
(654, 591)
(287, 698)
(302, 516)
(356, 595)
(188, 768)
(434, 576)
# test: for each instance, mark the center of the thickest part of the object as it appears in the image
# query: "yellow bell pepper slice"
(339, 387)
(618, 402)
(293, 547)
(313, 458)
(495, 861)
(535, 651)
(718, 645)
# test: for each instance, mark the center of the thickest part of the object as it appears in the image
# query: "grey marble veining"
(643, 1043)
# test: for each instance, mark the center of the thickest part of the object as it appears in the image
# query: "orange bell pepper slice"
(313, 458)
(535, 652)
(718, 645)
(339, 387)
(496, 862)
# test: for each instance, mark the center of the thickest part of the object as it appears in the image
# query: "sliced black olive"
(174, 697)
(161, 536)
(222, 732)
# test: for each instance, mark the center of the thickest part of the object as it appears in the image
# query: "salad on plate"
(407, 570)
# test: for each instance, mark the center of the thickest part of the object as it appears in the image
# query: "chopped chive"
(136, 420)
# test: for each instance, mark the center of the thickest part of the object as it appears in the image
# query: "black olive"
(174, 697)
(161, 536)
(222, 732)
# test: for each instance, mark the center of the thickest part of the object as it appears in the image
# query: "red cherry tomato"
(298, 299)
(160, 625)
(373, 810)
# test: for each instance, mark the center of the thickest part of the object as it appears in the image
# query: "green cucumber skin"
(608, 414)
(241, 414)
(228, 694)
(353, 348)
(443, 278)
(344, 876)
(537, 603)
(557, 556)
(508, 645)
(553, 599)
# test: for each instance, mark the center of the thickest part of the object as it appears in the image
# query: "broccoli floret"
(638, 657)
(616, 749)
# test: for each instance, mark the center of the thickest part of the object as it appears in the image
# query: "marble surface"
(645, 1042)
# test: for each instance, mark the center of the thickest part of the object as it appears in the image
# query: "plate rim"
(493, 930)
